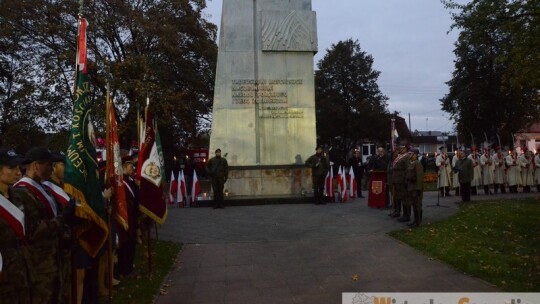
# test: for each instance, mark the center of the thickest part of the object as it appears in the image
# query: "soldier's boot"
(441, 190)
(457, 191)
(447, 191)
(321, 198)
(473, 191)
(486, 190)
(406, 214)
(495, 188)
(538, 188)
(416, 215)
(503, 189)
(397, 208)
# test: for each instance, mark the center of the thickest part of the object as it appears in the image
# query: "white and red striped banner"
(173, 188)
(329, 183)
(195, 188)
(181, 191)
(353, 187)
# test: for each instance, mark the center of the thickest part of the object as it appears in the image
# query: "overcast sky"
(409, 41)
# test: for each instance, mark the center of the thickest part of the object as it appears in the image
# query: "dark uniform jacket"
(399, 168)
(465, 168)
(379, 163)
(415, 176)
(217, 168)
(318, 164)
(357, 166)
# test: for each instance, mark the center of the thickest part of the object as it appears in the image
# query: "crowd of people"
(492, 171)
(40, 260)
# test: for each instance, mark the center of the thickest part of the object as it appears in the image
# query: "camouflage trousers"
(46, 288)
(15, 282)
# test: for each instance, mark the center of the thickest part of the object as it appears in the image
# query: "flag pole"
(392, 139)
(148, 226)
(108, 181)
(73, 256)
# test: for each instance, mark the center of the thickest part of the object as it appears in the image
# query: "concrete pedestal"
(269, 181)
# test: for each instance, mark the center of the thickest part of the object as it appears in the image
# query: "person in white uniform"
(477, 175)
(487, 170)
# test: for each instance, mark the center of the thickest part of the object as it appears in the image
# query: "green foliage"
(495, 241)
(495, 87)
(163, 50)
(350, 106)
(142, 286)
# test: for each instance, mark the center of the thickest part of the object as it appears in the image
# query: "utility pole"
(410, 127)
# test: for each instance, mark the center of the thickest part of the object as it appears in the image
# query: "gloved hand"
(107, 193)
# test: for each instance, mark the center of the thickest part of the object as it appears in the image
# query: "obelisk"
(264, 102)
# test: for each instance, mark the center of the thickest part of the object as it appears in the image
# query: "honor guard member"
(477, 176)
(464, 167)
(415, 187)
(319, 168)
(218, 169)
(443, 164)
(499, 170)
(527, 172)
(127, 240)
(513, 172)
(44, 225)
(399, 182)
(55, 186)
(355, 162)
(537, 170)
(15, 285)
(455, 174)
(487, 170)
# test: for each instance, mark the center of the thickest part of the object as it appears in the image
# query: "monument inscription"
(251, 92)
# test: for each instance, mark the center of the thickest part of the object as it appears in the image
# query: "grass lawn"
(141, 286)
(497, 241)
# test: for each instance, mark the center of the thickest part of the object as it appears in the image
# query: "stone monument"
(264, 102)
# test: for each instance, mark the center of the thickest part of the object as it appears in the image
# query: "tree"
(350, 108)
(493, 88)
(161, 49)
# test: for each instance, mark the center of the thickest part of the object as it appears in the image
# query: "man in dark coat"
(319, 168)
(355, 162)
(464, 167)
(218, 169)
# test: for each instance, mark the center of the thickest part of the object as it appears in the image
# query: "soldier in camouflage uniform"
(55, 186)
(415, 187)
(14, 276)
(44, 225)
(319, 164)
(399, 182)
(218, 169)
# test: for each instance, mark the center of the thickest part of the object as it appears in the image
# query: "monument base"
(268, 181)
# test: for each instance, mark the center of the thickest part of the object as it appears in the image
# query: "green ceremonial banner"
(81, 174)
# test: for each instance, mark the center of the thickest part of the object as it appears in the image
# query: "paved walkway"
(302, 253)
